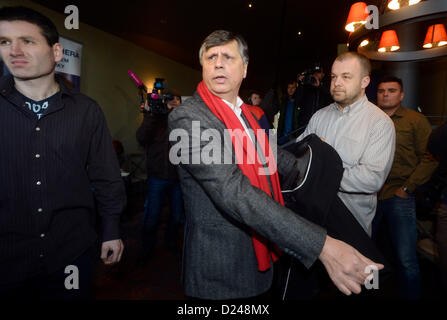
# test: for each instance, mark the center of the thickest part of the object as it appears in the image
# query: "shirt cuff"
(410, 186)
(111, 229)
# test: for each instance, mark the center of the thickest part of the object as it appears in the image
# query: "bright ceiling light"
(389, 41)
(394, 5)
(364, 43)
(357, 16)
(436, 36)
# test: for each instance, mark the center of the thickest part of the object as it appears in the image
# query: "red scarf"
(249, 168)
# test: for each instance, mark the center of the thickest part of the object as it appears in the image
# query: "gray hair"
(222, 37)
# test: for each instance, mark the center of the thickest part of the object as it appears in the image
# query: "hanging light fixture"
(394, 5)
(364, 43)
(357, 16)
(436, 36)
(389, 41)
(413, 2)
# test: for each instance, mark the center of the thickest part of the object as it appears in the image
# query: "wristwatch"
(405, 189)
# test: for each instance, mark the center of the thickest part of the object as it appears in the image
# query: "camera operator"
(162, 176)
(311, 96)
(303, 99)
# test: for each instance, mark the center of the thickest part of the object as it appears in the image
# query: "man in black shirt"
(57, 168)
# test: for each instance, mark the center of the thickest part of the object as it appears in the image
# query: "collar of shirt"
(400, 112)
(238, 112)
(236, 108)
(353, 108)
(7, 84)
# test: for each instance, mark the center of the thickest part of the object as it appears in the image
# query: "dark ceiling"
(175, 29)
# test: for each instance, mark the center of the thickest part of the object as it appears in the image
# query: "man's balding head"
(364, 62)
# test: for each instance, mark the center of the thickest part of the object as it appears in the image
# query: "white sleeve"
(369, 175)
(310, 128)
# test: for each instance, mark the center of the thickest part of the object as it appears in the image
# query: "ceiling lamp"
(364, 43)
(436, 36)
(394, 5)
(389, 41)
(357, 16)
(413, 2)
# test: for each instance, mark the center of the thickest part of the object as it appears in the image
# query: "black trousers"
(58, 285)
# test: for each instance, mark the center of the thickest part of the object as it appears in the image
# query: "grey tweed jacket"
(222, 206)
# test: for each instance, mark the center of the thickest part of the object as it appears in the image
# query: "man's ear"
(402, 95)
(365, 82)
(245, 69)
(57, 51)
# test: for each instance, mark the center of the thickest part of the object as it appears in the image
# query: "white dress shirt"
(364, 137)
(238, 111)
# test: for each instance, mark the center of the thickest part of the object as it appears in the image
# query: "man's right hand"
(345, 265)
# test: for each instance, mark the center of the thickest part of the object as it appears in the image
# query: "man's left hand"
(401, 193)
(111, 251)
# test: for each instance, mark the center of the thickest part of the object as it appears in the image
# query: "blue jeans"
(400, 217)
(157, 190)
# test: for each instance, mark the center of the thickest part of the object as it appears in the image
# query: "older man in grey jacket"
(223, 207)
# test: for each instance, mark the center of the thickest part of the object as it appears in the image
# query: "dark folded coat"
(315, 198)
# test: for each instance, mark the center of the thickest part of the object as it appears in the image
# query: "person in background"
(162, 179)
(253, 102)
(288, 114)
(412, 167)
(362, 134)
(311, 96)
(254, 99)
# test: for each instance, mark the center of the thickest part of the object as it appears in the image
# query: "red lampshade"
(389, 41)
(357, 16)
(436, 36)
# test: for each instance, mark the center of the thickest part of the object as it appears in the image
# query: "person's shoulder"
(257, 111)
(414, 114)
(418, 120)
(80, 99)
(192, 107)
(325, 110)
(378, 117)
(375, 112)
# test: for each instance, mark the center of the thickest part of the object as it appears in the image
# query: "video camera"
(307, 77)
(156, 100)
